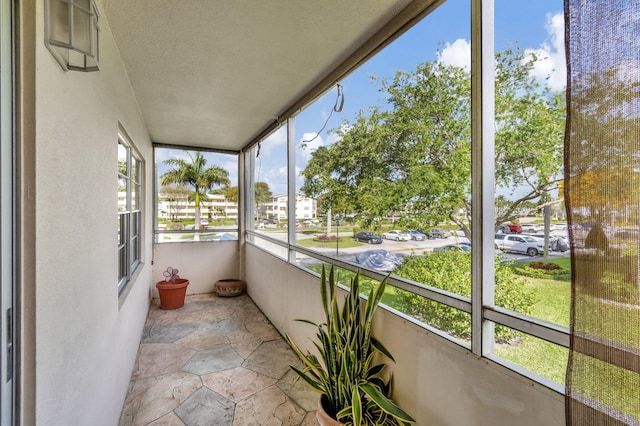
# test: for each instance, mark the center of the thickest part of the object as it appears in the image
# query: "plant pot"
(228, 287)
(172, 293)
(322, 418)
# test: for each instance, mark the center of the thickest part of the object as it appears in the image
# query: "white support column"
(482, 172)
(249, 190)
(291, 184)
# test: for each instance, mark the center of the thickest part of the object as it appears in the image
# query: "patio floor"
(215, 361)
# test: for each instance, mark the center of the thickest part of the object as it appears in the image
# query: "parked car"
(397, 235)
(559, 227)
(559, 244)
(519, 244)
(454, 247)
(532, 227)
(439, 233)
(367, 237)
(511, 228)
(204, 222)
(379, 260)
(416, 235)
(556, 242)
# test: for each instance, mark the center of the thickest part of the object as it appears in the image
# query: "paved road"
(404, 248)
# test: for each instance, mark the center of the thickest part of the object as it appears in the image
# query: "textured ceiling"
(216, 73)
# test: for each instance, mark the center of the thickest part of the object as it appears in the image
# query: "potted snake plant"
(347, 374)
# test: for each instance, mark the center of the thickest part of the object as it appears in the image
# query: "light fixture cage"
(72, 33)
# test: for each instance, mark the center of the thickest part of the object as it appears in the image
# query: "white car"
(519, 244)
(396, 235)
(533, 227)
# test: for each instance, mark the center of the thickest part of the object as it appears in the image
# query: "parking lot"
(407, 248)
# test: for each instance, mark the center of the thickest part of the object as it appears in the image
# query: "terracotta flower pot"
(172, 294)
(228, 287)
(322, 418)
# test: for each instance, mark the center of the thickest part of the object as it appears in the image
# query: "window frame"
(481, 305)
(157, 231)
(130, 221)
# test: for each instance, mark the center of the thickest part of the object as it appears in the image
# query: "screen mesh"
(602, 195)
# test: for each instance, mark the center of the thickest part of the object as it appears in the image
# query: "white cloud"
(304, 154)
(550, 55)
(309, 143)
(276, 179)
(457, 53)
(276, 139)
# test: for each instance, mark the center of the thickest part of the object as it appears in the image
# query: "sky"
(536, 26)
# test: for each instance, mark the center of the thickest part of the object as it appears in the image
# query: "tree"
(231, 194)
(196, 175)
(530, 122)
(603, 179)
(262, 194)
(176, 196)
(414, 156)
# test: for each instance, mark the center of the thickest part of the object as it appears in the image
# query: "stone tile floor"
(215, 361)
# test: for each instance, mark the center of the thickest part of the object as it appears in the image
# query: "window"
(408, 152)
(267, 191)
(129, 210)
(196, 195)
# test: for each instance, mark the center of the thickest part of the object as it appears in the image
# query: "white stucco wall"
(86, 336)
(438, 382)
(202, 263)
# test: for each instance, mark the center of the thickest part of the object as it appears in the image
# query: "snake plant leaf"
(378, 382)
(379, 346)
(310, 382)
(376, 369)
(385, 403)
(306, 321)
(344, 414)
(323, 291)
(356, 406)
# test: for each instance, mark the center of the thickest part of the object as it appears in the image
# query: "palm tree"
(195, 174)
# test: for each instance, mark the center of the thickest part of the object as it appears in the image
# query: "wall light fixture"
(72, 33)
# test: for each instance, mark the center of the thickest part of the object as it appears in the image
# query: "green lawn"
(546, 359)
(344, 242)
(554, 306)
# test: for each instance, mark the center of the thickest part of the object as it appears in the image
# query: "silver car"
(396, 235)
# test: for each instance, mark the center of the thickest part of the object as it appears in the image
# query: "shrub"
(544, 265)
(451, 271)
(325, 237)
(548, 271)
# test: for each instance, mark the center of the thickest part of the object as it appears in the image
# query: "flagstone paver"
(215, 361)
